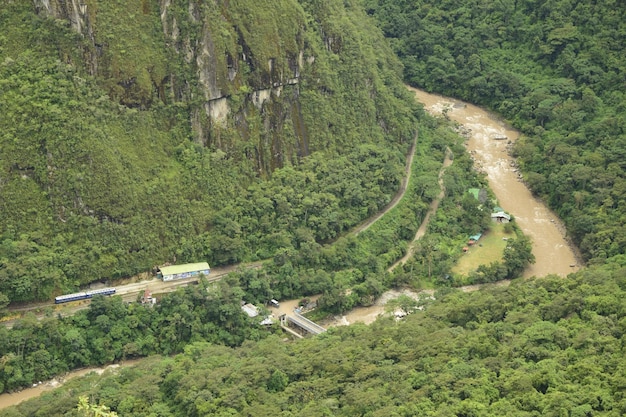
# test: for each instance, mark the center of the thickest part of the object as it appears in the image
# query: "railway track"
(129, 293)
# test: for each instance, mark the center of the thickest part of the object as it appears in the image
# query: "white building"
(170, 273)
(500, 217)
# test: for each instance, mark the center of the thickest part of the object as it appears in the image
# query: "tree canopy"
(555, 70)
(547, 346)
(144, 133)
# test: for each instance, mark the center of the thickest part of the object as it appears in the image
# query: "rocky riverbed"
(489, 140)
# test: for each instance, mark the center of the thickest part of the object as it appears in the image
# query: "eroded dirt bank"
(487, 141)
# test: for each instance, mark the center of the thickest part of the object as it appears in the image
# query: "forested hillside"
(136, 133)
(545, 347)
(140, 133)
(556, 69)
(348, 272)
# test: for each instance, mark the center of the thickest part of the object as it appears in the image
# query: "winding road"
(553, 252)
(434, 205)
(551, 248)
(131, 291)
(399, 195)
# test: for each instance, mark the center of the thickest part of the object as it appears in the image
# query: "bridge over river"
(299, 326)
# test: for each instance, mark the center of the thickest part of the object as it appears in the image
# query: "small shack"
(250, 309)
(147, 298)
(500, 217)
(170, 273)
(474, 238)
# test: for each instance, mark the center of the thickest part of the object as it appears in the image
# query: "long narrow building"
(170, 273)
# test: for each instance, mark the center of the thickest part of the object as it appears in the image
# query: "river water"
(553, 253)
(7, 400)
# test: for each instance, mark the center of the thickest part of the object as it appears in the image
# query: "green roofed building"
(476, 237)
(170, 273)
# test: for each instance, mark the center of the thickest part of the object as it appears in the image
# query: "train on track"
(83, 295)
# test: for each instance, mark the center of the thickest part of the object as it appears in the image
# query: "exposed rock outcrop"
(230, 76)
(226, 64)
(76, 12)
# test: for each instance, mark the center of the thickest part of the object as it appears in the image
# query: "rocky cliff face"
(239, 70)
(239, 74)
(137, 131)
(76, 13)
(224, 63)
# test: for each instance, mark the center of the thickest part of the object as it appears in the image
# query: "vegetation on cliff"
(141, 133)
(104, 176)
(348, 272)
(124, 167)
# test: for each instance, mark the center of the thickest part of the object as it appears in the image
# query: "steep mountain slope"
(137, 133)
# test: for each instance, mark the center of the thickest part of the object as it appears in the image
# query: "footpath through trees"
(434, 205)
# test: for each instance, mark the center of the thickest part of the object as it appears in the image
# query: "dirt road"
(487, 142)
(434, 205)
(129, 293)
(396, 199)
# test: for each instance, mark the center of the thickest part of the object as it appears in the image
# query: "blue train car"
(101, 291)
(83, 295)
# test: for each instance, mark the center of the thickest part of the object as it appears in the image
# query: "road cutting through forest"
(553, 253)
(485, 142)
(488, 142)
(432, 209)
(399, 195)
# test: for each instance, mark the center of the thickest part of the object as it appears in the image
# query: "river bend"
(488, 139)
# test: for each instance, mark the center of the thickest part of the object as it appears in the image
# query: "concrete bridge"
(299, 325)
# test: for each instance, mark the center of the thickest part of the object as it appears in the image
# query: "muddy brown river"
(487, 141)
(9, 399)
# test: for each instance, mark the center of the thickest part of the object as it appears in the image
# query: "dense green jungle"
(556, 70)
(543, 347)
(134, 135)
(138, 133)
